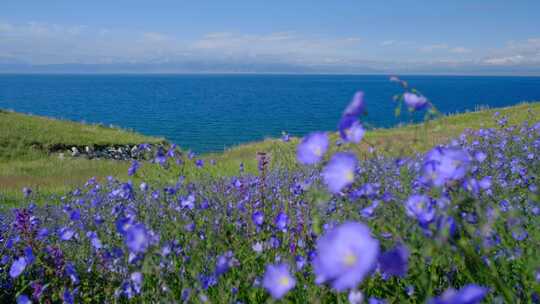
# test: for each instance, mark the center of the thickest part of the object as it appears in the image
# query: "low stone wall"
(120, 152)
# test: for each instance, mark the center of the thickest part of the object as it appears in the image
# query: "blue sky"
(360, 36)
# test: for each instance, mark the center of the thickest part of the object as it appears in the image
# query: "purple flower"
(257, 247)
(160, 157)
(94, 240)
(258, 218)
(134, 167)
(23, 299)
(26, 192)
(71, 272)
(355, 297)
(278, 281)
(17, 267)
(285, 137)
(312, 148)
(29, 255)
(345, 255)
(43, 233)
(356, 106)
(137, 238)
(282, 221)
(300, 262)
(66, 233)
(188, 202)
(447, 225)
(470, 294)
(480, 156)
(415, 102)
(225, 262)
(421, 208)
(339, 172)
(350, 129)
(199, 163)
(136, 280)
(395, 261)
(68, 297)
(374, 300)
(445, 164)
(369, 210)
(485, 183)
(75, 215)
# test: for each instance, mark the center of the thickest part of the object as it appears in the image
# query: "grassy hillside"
(26, 141)
(394, 141)
(27, 144)
(26, 137)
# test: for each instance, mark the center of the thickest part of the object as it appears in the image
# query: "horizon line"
(228, 73)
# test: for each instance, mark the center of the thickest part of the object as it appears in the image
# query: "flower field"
(458, 224)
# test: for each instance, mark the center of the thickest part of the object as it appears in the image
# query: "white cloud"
(460, 50)
(434, 47)
(42, 43)
(524, 52)
(288, 45)
(509, 60)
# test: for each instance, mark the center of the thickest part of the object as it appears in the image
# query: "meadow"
(446, 211)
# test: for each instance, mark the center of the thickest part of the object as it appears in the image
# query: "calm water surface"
(210, 112)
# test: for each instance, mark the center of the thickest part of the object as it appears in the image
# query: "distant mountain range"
(185, 67)
(232, 67)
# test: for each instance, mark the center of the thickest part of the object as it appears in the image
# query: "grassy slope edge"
(26, 158)
(25, 162)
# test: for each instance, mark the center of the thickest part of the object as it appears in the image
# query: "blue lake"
(211, 112)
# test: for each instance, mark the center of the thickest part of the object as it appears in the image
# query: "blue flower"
(356, 106)
(369, 211)
(26, 192)
(29, 255)
(278, 281)
(470, 294)
(94, 240)
(415, 102)
(480, 156)
(17, 267)
(350, 129)
(282, 221)
(395, 261)
(421, 208)
(136, 280)
(188, 202)
(72, 273)
(345, 255)
(258, 218)
(68, 297)
(23, 299)
(225, 262)
(485, 182)
(137, 238)
(445, 164)
(312, 148)
(133, 168)
(339, 172)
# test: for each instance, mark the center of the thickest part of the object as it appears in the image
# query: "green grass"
(29, 147)
(390, 141)
(26, 142)
(26, 137)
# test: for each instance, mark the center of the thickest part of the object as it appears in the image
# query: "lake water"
(211, 112)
